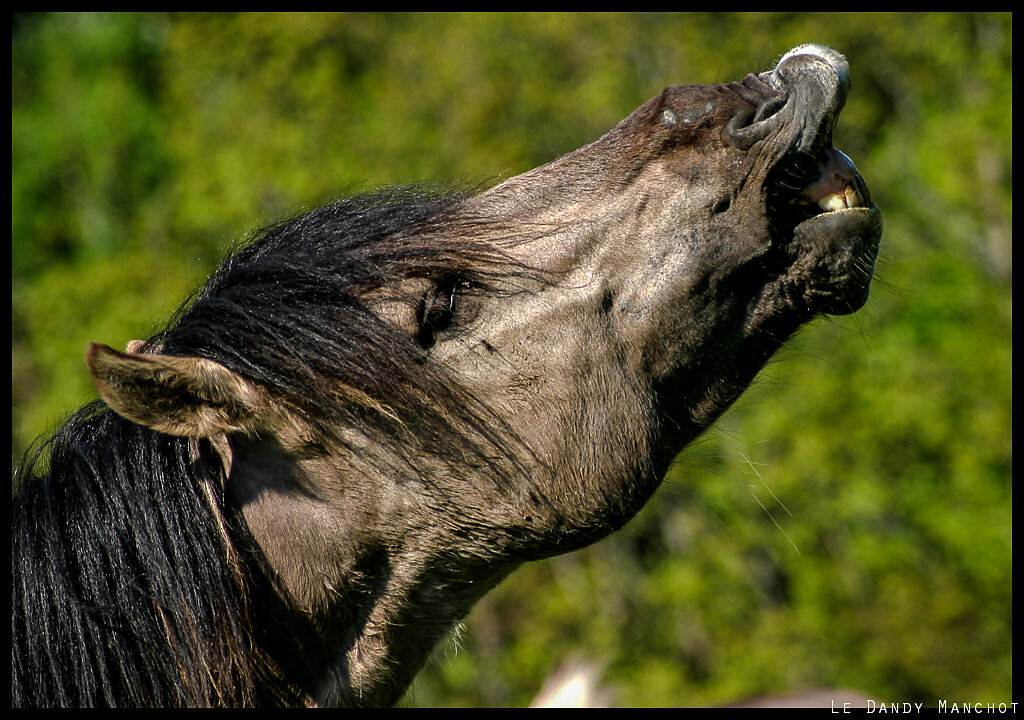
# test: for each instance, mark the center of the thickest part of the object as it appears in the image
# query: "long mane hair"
(127, 585)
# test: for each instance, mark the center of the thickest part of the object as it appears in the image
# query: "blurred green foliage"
(848, 524)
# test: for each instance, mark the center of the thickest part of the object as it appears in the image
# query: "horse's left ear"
(186, 396)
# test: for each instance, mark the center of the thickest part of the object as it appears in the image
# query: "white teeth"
(835, 201)
(848, 198)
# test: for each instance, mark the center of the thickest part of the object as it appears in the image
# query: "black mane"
(123, 586)
(126, 587)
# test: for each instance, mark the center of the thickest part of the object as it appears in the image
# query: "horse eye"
(438, 309)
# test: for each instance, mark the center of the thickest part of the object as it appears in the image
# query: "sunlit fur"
(388, 404)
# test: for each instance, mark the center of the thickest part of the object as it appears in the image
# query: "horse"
(372, 413)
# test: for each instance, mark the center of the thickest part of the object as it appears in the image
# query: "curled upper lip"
(798, 101)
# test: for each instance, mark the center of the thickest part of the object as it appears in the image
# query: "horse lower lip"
(850, 219)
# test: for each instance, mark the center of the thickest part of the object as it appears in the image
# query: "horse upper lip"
(797, 102)
(815, 56)
(812, 82)
(815, 81)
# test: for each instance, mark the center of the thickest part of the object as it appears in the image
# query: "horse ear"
(186, 396)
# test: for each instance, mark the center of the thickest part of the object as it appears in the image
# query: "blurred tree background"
(848, 523)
